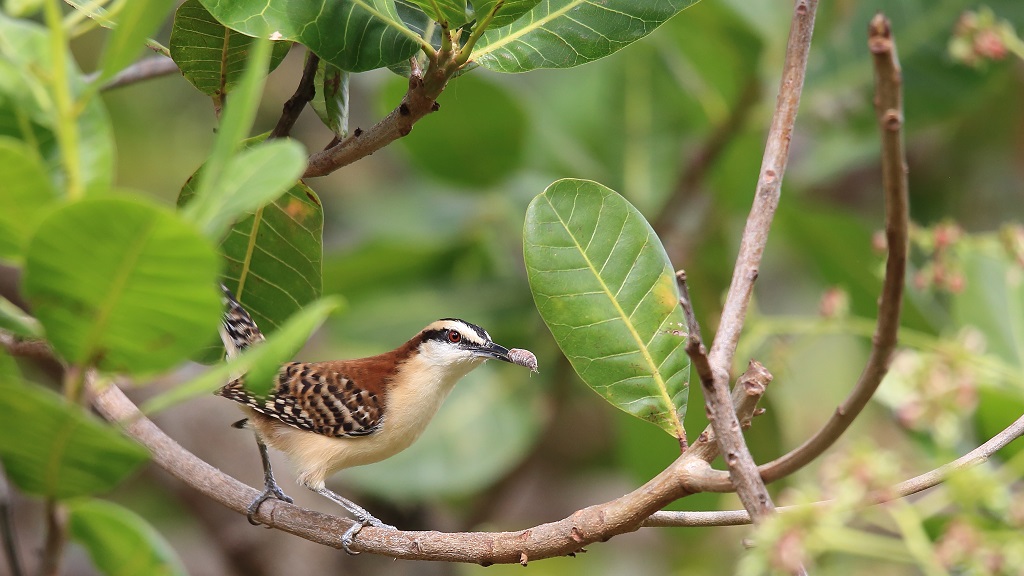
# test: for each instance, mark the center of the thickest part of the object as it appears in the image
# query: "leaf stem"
(67, 127)
(478, 31)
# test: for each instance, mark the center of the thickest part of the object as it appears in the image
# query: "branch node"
(523, 559)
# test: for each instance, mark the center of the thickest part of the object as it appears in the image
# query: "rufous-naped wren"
(327, 416)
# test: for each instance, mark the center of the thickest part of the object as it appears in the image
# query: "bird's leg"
(363, 518)
(270, 487)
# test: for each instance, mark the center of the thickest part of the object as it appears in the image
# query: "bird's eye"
(454, 337)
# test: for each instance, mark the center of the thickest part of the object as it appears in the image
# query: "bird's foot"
(270, 491)
(361, 521)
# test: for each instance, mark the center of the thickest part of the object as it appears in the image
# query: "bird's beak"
(492, 350)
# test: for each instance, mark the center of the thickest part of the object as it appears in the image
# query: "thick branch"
(569, 535)
(304, 92)
(889, 107)
(919, 483)
(769, 182)
(419, 100)
(722, 416)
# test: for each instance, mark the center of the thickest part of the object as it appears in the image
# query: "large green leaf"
(58, 450)
(27, 111)
(509, 12)
(452, 12)
(274, 256)
(354, 35)
(209, 55)
(565, 33)
(122, 283)
(27, 195)
(252, 178)
(607, 291)
(120, 542)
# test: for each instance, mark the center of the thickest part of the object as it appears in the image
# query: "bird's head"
(457, 343)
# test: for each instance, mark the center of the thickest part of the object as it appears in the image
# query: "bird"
(328, 416)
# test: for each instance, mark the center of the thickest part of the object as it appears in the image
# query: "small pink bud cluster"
(980, 37)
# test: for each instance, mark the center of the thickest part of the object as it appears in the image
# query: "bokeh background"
(431, 227)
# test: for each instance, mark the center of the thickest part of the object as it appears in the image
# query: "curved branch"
(889, 107)
(419, 100)
(919, 483)
(569, 535)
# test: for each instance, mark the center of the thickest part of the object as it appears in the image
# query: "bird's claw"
(269, 492)
(361, 521)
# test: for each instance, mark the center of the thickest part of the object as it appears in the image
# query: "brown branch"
(52, 554)
(769, 182)
(7, 528)
(144, 69)
(914, 485)
(569, 535)
(888, 103)
(419, 100)
(304, 93)
(722, 416)
(747, 392)
(35, 349)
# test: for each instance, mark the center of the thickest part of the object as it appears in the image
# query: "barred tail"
(237, 329)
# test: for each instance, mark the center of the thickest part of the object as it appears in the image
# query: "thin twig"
(919, 483)
(304, 93)
(419, 100)
(769, 182)
(145, 69)
(52, 554)
(746, 394)
(888, 102)
(7, 530)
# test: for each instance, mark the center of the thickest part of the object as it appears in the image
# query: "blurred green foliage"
(432, 227)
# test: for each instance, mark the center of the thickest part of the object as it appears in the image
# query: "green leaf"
(260, 363)
(363, 34)
(331, 99)
(58, 450)
(27, 196)
(122, 283)
(94, 11)
(209, 55)
(135, 22)
(9, 373)
(606, 289)
(120, 542)
(510, 11)
(251, 179)
(236, 121)
(22, 8)
(274, 257)
(993, 297)
(17, 322)
(491, 145)
(451, 11)
(565, 33)
(27, 111)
